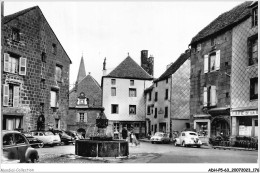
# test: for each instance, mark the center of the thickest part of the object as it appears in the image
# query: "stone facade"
(244, 110)
(204, 77)
(169, 112)
(30, 46)
(147, 63)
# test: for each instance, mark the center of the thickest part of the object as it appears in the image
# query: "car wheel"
(198, 146)
(183, 144)
(40, 145)
(175, 144)
(152, 142)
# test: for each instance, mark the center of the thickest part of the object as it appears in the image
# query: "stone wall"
(36, 37)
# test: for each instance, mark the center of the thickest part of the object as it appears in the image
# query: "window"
(166, 94)
(155, 113)
(210, 96)
(253, 50)
(166, 80)
(198, 47)
(54, 49)
(212, 62)
(11, 95)
(16, 34)
(19, 139)
(113, 91)
(254, 88)
(43, 57)
(132, 82)
(82, 117)
(54, 99)
(132, 109)
(213, 41)
(11, 122)
(113, 81)
(148, 110)
(8, 139)
(58, 71)
(114, 109)
(156, 84)
(14, 64)
(132, 92)
(43, 86)
(166, 112)
(57, 123)
(254, 17)
(150, 96)
(156, 96)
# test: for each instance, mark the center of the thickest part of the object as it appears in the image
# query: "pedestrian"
(124, 133)
(131, 137)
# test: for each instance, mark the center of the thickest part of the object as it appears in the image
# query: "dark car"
(65, 138)
(16, 147)
(34, 141)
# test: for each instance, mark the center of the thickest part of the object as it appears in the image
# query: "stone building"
(168, 99)
(123, 97)
(35, 73)
(211, 61)
(244, 75)
(84, 103)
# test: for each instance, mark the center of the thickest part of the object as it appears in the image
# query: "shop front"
(245, 122)
(138, 128)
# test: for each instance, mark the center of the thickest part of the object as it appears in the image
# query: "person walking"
(124, 133)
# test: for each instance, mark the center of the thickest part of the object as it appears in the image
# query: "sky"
(112, 29)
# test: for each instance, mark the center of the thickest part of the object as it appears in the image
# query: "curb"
(233, 148)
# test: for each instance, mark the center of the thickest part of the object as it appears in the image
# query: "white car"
(47, 137)
(160, 137)
(188, 138)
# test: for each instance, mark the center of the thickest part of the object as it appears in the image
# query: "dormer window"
(82, 100)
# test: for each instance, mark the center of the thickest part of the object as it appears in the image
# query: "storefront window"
(202, 128)
(245, 126)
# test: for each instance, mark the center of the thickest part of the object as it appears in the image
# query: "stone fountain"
(100, 144)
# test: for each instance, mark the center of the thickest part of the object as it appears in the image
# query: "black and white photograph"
(129, 86)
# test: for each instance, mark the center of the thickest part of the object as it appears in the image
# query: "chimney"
(147, 63)
(104, 67)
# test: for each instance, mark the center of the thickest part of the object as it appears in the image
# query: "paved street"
(152, 153)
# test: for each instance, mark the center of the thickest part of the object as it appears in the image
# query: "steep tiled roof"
(224, 21)
(175, 66)
(10, 17)
(129, 69)
(92, 91)
(149, 89)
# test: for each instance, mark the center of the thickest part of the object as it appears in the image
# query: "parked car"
(188, 138)
(160, 137)
(17, 147)
(33, 141)
(47, 137)
(65, 138)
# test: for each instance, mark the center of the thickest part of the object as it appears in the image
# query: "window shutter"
(6, 95)
(85, 117)
(206, 63)
(16, 96)
(213, 96)
(78, 117)
(22, 70)
(217, 61)
(6, 62)
(205, 100)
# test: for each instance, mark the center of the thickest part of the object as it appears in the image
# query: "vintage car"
(33, 141)
(160, 137)
(65, 138)
(16, 147)
(188, 138)
(47, 137)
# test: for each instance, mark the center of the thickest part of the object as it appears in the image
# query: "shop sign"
(244, 113)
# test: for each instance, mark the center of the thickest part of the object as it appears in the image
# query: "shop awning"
(219, 111)
(201, 115)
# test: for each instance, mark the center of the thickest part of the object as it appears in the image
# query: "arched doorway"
(82, 132)
(220, 125)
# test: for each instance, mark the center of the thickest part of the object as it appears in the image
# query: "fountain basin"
(98, 148)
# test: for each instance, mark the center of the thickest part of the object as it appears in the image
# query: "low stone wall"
(93, 148)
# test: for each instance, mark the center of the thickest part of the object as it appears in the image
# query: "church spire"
(82, 71)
